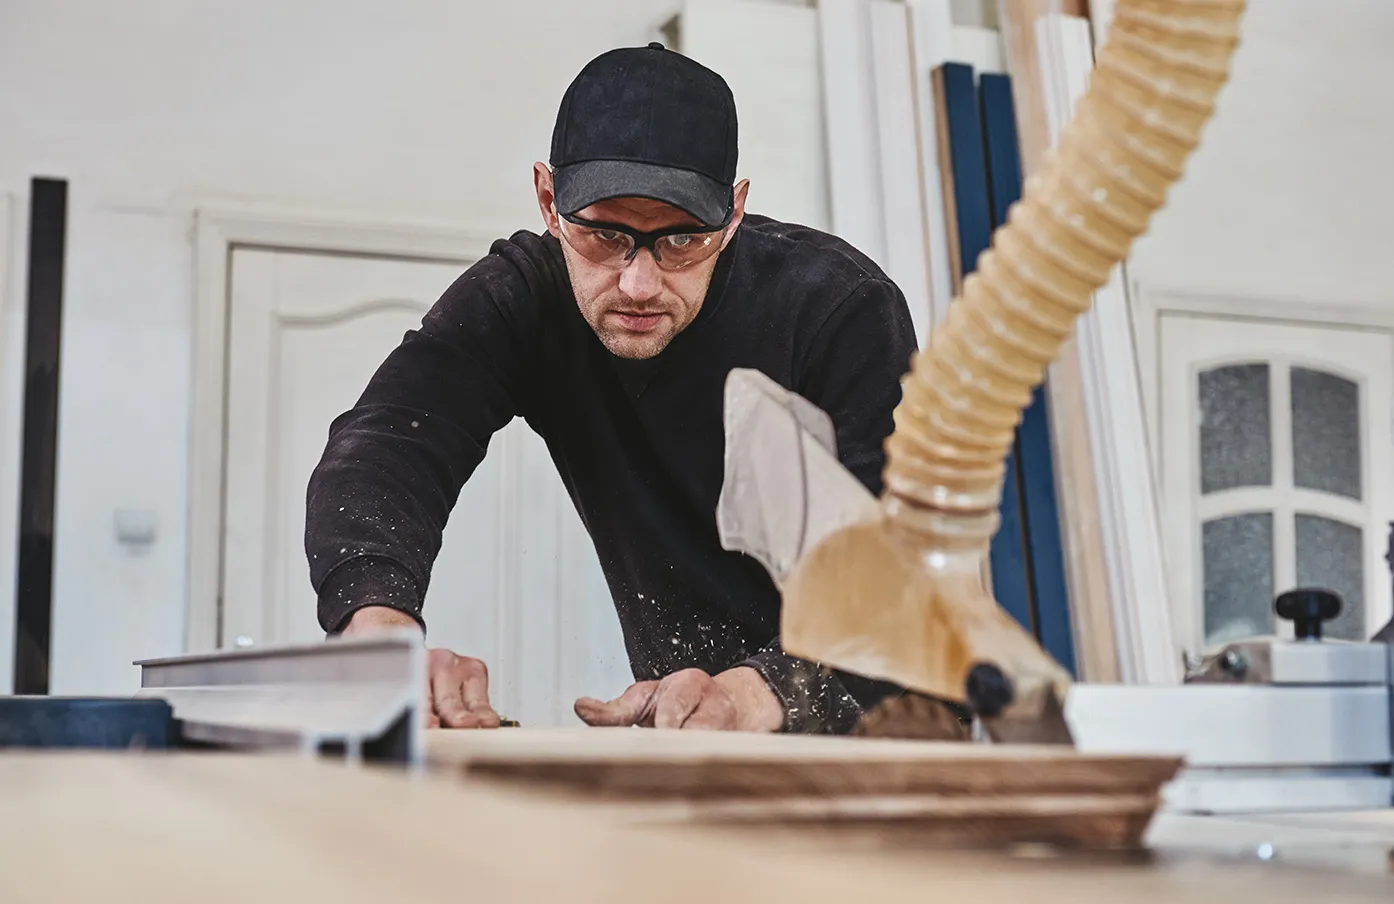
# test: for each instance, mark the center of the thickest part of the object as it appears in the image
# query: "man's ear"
(546, 197)
(738, 203)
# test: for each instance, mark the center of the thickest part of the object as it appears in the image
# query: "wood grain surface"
(211, 827)
(657, 763)
(955, 793)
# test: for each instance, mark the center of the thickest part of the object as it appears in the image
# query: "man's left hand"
(735, 700)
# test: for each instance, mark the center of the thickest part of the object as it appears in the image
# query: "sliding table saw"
(1263, 725)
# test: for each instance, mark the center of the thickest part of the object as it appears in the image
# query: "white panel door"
(1276, 469)
(516, 583)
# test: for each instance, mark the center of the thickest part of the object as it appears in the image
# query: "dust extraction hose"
(897, 594)
(1152, 91)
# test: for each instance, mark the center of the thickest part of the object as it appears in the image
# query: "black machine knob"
(989, 691)
(1307, 608)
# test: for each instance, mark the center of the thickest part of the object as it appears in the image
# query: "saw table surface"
(215, 827)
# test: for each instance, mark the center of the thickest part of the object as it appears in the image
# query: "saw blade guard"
(784, 488)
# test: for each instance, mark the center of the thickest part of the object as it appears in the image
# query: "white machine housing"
(1265, 725)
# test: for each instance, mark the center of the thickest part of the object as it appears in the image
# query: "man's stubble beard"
(618, 342)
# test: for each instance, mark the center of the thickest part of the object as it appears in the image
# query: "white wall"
(768, 53)
(417, 111)
(433, 111)
(1291, 194)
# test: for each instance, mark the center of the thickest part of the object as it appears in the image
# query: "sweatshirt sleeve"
(394, 464)
(853, 371)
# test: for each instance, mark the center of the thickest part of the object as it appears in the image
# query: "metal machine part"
(1306, 660)
(1009, 717)
(359, 697)
(89, 723)
(1266, 724)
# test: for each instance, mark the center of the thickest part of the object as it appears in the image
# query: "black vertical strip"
(973, 216)
(1035, 472)
(1386, 634)
(48, 226)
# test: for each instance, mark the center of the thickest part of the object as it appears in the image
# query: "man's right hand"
(457, 687)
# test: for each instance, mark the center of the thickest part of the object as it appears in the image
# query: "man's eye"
(608, 235)
(681, 241)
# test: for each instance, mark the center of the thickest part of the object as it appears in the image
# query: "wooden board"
(931, 32)
(656, 763)
(944, 156)
(902, 201)
(210, 827)
(982, 794)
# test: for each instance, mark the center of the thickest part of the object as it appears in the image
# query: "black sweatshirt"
(639, 444)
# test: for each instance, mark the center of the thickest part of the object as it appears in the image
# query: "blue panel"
(1010, 569)
(969, 166)
(1043, 533)
(973, 215)
(999, 135)
(1035, 471)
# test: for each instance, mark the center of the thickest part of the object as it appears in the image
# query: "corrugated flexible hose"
(901, 597)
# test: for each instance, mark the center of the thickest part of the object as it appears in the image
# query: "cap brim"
(579, 185)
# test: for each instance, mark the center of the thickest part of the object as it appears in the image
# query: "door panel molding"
(1151, 302)
(217, 230)
(346, 315)
(1255, 499)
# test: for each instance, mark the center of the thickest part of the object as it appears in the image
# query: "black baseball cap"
(646, 122)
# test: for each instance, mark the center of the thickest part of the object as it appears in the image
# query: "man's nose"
(641, 279)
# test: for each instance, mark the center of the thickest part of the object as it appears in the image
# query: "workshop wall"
(1274, 250)
(416, 111)
(1291, 195)
(429, 111)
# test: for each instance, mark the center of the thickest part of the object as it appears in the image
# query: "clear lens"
(615, 249)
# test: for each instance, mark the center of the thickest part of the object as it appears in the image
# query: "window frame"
(1194, 347)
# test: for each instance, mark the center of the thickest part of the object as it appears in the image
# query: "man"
(612, 334)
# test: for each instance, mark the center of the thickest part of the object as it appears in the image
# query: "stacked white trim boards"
(1129, 521)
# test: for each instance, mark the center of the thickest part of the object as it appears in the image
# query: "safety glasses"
(613, 245)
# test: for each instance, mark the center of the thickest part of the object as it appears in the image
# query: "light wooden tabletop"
(216, 827)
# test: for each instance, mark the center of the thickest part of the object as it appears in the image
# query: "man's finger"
(448, 698)
(633, 707)
(679, 695)
(428, 705)
(476, 694)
